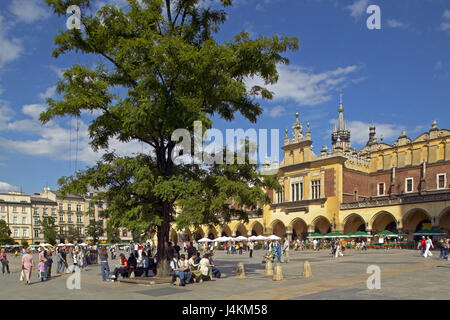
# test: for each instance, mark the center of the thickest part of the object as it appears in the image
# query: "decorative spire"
(297, 129)
(434, 126)
(286, 138)
(342, 132)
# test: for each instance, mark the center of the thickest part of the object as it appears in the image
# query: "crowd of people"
(194, 265)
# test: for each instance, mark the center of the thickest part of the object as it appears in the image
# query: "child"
(41, 269)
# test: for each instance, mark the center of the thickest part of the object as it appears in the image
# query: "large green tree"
(112, 233)
(94, 230)
(5, 234)
(49, 229)
(160, 69)
(73, 236)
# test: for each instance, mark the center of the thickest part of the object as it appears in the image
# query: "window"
(69, 207)
(280, 195)
(36, 233)
(79, 219)
(78, 207)
(23, 210)
(24, 220)
(61, 207)
(100, 205)
(80, 231)
(315, 186)
(15, 220)
(381, 189)
(297, 191)
(124, 233)
(15, 233)
(69, 218)
(53, 211)
(61, 218)
(35, 211)
(36, 221)
(44, 211)
(3, 218)
(3, 209)
(14, 209)
(91, 204)
(409, 185)
(25, 233)
(441, 180)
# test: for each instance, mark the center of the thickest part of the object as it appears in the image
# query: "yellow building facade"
(403, 187)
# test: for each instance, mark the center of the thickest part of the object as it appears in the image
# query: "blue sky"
(397, 77)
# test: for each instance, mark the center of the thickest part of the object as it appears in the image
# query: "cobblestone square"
(404, 275)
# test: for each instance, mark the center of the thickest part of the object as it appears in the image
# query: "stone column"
(289, 235)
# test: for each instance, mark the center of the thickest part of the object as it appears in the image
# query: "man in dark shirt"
(177, 249)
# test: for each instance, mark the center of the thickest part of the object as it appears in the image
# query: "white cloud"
(49, 93)
(11, 48)
(446, 14)
(54, 141)
(358, 8)
(396, 24)
(445, 26)
(275, 111)
(29, 11)
(306, 87)
(5, 187)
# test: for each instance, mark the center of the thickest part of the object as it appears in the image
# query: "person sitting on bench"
(123, 268)
(193, 267)
(176, 271)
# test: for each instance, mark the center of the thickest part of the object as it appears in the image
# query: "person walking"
(60, 262)
(441, 245)
(43, 257)
(286, 250)
(27, 265)
(5, 262)
(338, 249)
(428, 245)
(104, 266)
(251, 246)
(278, 251)
(421, 246)
(49, 265)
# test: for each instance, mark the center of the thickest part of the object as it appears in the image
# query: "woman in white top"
(205, 266)
(80, 259)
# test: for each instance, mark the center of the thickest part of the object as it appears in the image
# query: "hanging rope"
(70, 147)
(76, 152)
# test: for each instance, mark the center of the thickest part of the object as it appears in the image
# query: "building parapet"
(430, 196)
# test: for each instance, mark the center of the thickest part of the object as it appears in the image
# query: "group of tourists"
(426, 244)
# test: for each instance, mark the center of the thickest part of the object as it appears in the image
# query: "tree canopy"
(5, 234)
(160, 69)
(49, 229)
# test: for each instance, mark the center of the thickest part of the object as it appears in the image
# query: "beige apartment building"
(15, 209)
(41, 208)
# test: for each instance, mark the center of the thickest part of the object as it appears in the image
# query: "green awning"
(387, 233)
(316, 235)
(427, 232)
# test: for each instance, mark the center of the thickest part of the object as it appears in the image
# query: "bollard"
(306, 270)
(277, 272)
(269, 268)
(240, 272)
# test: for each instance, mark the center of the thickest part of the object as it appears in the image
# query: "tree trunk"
(163, 239)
